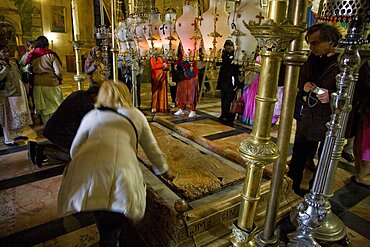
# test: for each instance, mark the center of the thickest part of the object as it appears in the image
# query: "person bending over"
(104, 176)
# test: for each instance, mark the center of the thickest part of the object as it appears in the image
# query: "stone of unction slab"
(197, 173)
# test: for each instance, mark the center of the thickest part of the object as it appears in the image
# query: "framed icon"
(58, 19)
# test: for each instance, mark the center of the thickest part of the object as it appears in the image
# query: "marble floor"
(28, 194)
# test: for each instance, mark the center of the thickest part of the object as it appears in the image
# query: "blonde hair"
(113, 95)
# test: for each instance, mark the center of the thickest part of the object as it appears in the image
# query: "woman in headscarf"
(47, 70)
(159, 84)
(94, 67)
(14, 110)
(187, 85)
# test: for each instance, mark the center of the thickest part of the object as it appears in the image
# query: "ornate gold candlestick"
(293, 59)
(273, 38)
(315, 211)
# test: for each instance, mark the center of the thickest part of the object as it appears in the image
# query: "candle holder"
(315, 217)
(104, 34)
(273, 37)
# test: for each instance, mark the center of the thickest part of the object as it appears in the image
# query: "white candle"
(101, 13)
(76, 25)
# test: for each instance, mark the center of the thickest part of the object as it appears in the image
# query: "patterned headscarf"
(92, 57)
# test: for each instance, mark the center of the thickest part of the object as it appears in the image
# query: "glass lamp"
(187, 29)
(215, 30)
(151, 32)
(244, 41)
(170, 39)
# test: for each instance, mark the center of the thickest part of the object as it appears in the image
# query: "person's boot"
(39, 155)
(32, 151)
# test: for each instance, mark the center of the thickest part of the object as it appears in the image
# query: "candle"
(76, 28)
(101, 13)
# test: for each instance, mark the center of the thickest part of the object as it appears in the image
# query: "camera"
(318, 90)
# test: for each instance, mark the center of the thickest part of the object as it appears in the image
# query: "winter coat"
(228, 79)
(104, 173)
(315, 115)
(62, 127)
(322, 72)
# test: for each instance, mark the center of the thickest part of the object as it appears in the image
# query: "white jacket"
(104, 173)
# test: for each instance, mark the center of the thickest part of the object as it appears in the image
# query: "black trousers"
(54, 153)
(113, 228)
(226, 100)
(173, 91)
(302, 151)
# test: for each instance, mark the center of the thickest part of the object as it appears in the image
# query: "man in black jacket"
(228, 82)
(62, 127)
(317, 82)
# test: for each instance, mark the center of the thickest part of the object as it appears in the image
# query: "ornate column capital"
(272, 36)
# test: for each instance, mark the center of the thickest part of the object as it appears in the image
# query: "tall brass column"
(293, 59)
(113, 5)
(273, 38)
(79, 78)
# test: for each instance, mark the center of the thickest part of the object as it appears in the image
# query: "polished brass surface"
(277, 10)
(273, 38)
(333, 229)
(114, 41)
(293, 60)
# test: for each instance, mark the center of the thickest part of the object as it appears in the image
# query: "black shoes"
(32, 151)
(36, 153)
(39, 155)
(21, 138)
(347, 156)
(11, 144)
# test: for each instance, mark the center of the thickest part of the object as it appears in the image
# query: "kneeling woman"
(104, 175)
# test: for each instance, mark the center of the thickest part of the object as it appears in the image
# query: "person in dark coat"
(317, 82)
(62, 127)
(228, 82)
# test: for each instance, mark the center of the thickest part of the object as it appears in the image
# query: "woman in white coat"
(104, 175)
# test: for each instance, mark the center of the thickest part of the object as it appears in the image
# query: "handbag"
(237, 105)
(178, 74)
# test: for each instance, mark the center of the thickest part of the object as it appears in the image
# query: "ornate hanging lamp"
(188, 31)
(169, 36)
(151, 32)
(245, 43)
(138, 30)
(215, 30)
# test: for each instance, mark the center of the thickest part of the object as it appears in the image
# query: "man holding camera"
(317, 82)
